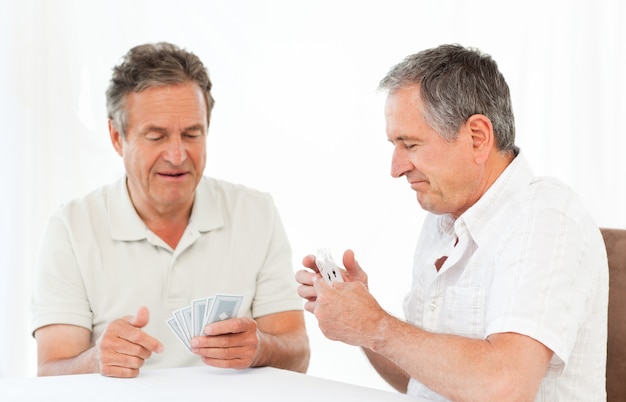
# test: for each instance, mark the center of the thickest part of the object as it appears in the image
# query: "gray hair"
(151, 65)
(456, 83)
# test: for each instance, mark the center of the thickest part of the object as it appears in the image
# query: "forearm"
(394, 375)
(84, 363)
(288, 351)
(420, 355)
(502, 367)
(65, 349)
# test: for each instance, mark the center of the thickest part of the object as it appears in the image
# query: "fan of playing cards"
(190, 321)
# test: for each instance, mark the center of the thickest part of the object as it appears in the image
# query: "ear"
(483, 139)
(116, 138)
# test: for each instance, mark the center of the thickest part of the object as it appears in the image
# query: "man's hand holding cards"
(327, 267)
(190, 321)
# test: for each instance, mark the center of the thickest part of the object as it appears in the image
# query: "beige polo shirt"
(98, 261)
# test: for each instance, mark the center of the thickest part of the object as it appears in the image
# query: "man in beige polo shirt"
(113, 265)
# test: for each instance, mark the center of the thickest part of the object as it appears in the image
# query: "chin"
(429, 206)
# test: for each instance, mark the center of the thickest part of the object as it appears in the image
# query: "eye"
(154, 136)
(193, 133)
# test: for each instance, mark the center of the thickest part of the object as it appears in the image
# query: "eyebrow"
(195, 127)
(154, 128)
(401, 138)
(162, 130)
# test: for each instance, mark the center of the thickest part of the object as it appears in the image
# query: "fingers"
(119, 358)
(348, 260)
(141, 319)
(321, 288)
(319, 284)
(230, 343)
(306, 290)
(305, 277)
(115, 364)
(346, 311)
(353, 269)
(309, 262)
(135, 335)
(231, 326)
(123, 347)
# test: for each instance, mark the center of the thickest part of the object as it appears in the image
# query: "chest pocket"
(463, 311)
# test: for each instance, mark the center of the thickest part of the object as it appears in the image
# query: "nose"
(175, 152)
(400, 163)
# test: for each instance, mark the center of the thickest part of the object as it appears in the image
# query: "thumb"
(353, 269)
(140, 319)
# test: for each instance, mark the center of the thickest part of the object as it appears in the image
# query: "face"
(444, 174)
(164, 150)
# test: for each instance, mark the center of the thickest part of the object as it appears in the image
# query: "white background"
(297, 114)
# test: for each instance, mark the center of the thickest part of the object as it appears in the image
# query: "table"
(206, 384)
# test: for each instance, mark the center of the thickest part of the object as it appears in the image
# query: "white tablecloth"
(205, 384)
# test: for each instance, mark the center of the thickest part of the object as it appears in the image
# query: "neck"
(169, 227)
(169, 223)
(491, 171)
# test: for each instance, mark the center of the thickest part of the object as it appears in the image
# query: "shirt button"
(433, 305)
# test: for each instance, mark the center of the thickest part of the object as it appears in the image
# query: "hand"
(232, 343)
(347, 312)
(123, 347)
(352, 273)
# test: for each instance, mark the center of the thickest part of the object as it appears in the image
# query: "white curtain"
(298, 115)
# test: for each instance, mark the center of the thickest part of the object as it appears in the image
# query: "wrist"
(381, 333)
(259, 360)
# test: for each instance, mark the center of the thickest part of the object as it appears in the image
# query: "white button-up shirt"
(526, 258)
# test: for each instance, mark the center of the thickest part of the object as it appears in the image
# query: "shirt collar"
(207, 212)
(476, 220)
(126, 225)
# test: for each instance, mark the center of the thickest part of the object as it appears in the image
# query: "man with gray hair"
(510, 278)
(115, 264)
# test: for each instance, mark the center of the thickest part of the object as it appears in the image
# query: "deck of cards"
(327, 267)
(190, 321)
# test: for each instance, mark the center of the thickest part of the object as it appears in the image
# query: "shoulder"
(550, 193)
(89, 204)
(521, 190)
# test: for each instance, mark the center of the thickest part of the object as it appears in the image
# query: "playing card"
(173, 324)
(183, 318)
(190, 321)
(207, 311)
(327, 267)
(198, 310)
(223, 308)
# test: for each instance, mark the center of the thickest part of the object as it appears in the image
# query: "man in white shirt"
(116, 263)
(510, 278)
